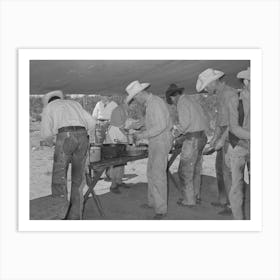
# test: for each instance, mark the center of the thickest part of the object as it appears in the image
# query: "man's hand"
(219, 144)
(176, 131)
(137, 136)
(212, 142)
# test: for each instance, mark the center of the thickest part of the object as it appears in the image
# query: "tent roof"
(112, 76)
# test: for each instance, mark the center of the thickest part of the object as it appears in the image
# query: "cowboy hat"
(245, 74)
(172, 89)
(206, 77)
(51, 94)
(134, 88)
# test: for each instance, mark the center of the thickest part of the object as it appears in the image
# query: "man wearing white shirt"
(71, 124)
(102, 113)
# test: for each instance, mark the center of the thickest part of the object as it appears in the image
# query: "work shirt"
(242, 132)
(157, 119)
(191, 115)
(119, 116)
(61, 113)
(224, 94)
(102, 111)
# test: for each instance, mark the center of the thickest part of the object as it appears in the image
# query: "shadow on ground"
(126, 206)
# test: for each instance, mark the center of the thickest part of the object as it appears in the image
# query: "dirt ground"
(125, 206)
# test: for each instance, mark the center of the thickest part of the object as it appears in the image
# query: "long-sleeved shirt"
(60, 113)
(242, 132)
(224, 94)
(191, 115)
(102, 111)
(157, 119)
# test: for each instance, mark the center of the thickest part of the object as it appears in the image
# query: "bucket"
(94, 153)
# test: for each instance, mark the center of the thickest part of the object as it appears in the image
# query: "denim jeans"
(70, 147)
(190, 166)
(223, 173)
(240, 156)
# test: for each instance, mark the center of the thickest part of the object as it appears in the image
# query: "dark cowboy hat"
(172, 89)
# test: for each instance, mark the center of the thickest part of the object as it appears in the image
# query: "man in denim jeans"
(210, 81)
(70, 123)
(192, 124)
(239, 136)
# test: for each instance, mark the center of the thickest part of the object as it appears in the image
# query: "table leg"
(91, 184)
(170, 162)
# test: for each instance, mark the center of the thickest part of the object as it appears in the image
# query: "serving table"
(96, 169)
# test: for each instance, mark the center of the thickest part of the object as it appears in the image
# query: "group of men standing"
(72, 124)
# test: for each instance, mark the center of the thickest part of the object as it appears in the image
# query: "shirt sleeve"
(46, 124)
(237, 130)
(158, 120)
(96, 110)
(90, 120)
(184, 116)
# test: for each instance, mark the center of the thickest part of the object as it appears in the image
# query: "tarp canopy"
(110, 77)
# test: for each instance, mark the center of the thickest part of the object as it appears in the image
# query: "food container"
(136, 151)
(112, 150)
(94, 152)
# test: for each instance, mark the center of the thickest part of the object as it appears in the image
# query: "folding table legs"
(91, 184)
(170, 162)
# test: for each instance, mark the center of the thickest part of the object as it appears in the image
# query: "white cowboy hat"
(51, 94)
(133, 88)
(207, 76)
(245, 74)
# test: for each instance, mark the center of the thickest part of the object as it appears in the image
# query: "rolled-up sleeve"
(157, 120)
(234, 126)
(46, 124)
(90, 121)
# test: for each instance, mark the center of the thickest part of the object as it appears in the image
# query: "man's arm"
(158, 121)
(234, 126)
(184, 117)
(46, 124)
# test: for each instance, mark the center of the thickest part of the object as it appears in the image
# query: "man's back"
(191, 115)
(62, 113)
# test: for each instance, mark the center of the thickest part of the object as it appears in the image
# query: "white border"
(254, 55)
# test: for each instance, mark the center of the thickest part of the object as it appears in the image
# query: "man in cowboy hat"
(157, 130)
(210, 81)
(70, 123)
(191, 126)
(239, 136)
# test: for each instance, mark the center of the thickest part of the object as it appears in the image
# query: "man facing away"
(210, 81)
(70, 123)
(102, 113)
(191, 125)
(158, 127)
(239, 136)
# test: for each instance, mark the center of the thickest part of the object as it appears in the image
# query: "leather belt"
(103, 120)
(71, 128)
(196, 134)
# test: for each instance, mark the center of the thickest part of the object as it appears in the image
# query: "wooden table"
(96, 169)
